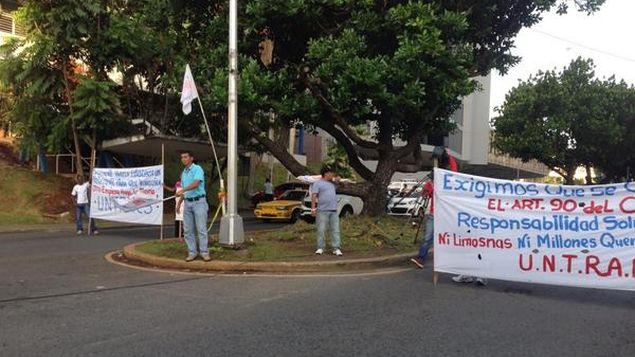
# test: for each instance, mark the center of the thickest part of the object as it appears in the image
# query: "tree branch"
(334, 115)
(280, 152)
(353, 158)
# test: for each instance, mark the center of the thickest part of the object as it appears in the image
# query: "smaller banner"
(538, 233)
(132, 195)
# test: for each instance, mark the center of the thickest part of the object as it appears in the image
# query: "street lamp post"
(231, 227)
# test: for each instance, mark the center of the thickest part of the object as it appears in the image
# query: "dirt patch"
(56, 202)
(8, 155)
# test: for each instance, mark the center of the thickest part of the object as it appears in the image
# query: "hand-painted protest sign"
(550, 234)
(133, 195)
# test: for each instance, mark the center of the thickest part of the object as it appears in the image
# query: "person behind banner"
(428, 237)
(80, 195)
(268, 190)
(324, 208)
(178, 209)
(448, 162)
(195, 209)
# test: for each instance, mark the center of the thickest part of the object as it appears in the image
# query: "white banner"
(133, 195)
(550, 234)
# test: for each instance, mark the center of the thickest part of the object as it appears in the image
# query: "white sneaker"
(463, 279)
(80, 232)
(481, 281)
(319, 251)
(338, 252)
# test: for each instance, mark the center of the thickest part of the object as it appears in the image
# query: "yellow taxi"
(285, 208)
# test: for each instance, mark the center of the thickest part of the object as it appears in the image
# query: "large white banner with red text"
(550, 234)
(133, 195)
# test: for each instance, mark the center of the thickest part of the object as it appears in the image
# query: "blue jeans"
(330, 218)
(195, 222)
(428, 238)
(83, 208)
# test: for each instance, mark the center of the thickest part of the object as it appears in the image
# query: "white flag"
(189, 92)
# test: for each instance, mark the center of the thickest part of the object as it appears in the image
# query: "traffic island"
(367, 244)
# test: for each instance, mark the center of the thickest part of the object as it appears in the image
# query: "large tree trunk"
(569, 179)
(589, 177)
(375, 199)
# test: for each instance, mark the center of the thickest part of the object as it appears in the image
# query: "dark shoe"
(418, 262)
(190, 258)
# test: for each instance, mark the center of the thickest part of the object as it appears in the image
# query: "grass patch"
(361, 237)
(30, 194)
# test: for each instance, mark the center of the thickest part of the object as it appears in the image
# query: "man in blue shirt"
(324, 208)
(195, 210)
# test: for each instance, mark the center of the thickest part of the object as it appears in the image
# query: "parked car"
(286, 208)
(258, 197)
(405, 185)
(346, 206)
(399, 205)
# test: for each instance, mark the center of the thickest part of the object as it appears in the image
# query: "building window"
(6, 23)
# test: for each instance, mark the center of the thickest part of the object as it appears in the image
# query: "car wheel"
(346, 211)
(295, 216)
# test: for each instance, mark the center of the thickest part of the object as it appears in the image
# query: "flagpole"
(209, 135)
(231, 230)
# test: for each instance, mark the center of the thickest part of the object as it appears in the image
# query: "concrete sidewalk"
(168, 221)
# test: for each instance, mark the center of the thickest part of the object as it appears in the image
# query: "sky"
(606, 37)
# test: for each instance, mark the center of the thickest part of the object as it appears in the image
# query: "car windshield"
(401, 195)
(293, 195)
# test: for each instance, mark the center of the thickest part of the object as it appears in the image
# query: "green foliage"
(337, 160)
(96, 104)
(568, 119)
(402, 66)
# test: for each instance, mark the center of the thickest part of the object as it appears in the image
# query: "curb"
(70, 227)
(130, 252)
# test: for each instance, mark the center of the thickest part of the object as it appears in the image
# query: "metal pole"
(435, 274)
(93, 154)
(211, 141)
(291, 148)
(162, 168)
(231, 232)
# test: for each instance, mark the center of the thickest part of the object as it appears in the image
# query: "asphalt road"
(59, 297)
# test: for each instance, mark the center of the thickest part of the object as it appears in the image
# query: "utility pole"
(231, 225)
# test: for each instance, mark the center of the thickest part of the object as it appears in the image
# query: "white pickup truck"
(346, 206)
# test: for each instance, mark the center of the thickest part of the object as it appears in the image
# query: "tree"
(402, 66)
(59, 74)
(568, 119)
(614, 156)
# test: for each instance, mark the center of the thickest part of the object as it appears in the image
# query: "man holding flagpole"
(195, 211)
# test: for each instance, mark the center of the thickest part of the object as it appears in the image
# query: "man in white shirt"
(268, 190)
(80, 194)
